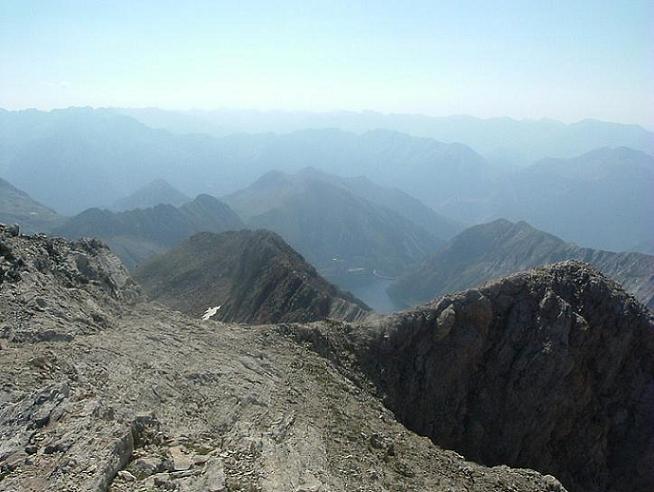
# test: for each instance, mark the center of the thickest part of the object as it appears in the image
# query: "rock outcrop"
(490, 251)
(245, 276)
(54, 289)
(551, 369)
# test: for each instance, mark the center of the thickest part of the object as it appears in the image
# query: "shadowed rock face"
(138, 397)
(252, 276)
(551, 369)
(490, 251)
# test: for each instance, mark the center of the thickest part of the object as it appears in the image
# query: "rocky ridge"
(489, 251)
(155, 400)
(248, 277)
(551, 369)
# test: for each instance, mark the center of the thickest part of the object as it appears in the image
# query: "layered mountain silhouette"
(97, 156)
(336, 230)
(18, 207)
(489, 251)
(601, 199)
(506, 140)
(244, 276)
(137, 235)
(388, 197)
(154, 193)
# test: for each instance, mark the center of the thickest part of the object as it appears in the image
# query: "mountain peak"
(153, 193)
(136, 235)
(487, 251)
(252, 276)
(511, 373)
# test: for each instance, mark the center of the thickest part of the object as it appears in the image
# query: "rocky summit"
(103, 390)
(245, 276)
(551, 369)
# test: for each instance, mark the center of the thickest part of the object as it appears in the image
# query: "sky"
(567, 59)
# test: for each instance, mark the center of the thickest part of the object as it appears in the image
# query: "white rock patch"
(209, 313)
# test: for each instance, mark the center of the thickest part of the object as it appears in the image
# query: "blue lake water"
(374, 295)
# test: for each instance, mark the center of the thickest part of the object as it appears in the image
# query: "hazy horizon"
(283, 111)
(568, 62)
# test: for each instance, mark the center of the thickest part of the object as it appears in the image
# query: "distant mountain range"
(603, 198)
(344, 235)
(16, 206)
(493, 250)
(245, 276)
(97, 156)
(391, 198)
(154, 193)
(139, 234)
(505, 140)
(599, 199)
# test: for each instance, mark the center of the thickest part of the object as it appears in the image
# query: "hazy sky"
(562, 59)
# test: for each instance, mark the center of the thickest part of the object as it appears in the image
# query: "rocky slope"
(492, 250)
(250, 276)
(18, 207)
(136, 397)
(137, 235)
(551, 369)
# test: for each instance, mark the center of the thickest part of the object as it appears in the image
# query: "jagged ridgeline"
(245, 276)
(139, 234)
(549, 370)
(490, 251)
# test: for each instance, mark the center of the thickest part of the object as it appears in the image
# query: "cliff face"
(551, 369)
(250, 276)
(490, 251)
